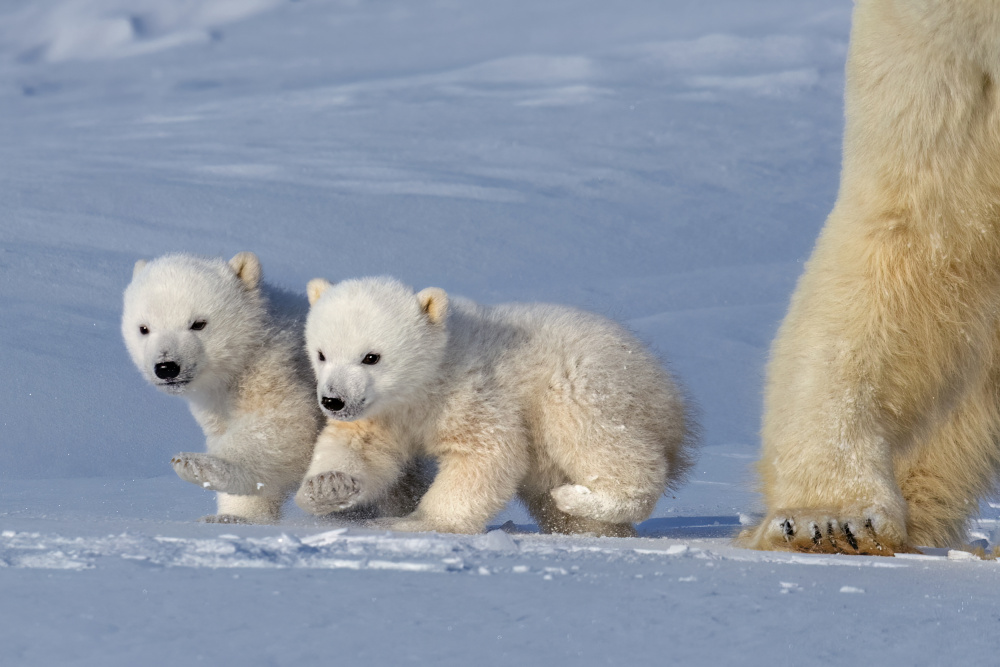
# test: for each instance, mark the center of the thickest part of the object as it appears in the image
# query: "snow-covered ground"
(667, 163)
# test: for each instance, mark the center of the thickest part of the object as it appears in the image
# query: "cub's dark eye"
(319, 355)
(371, 359)
(198, 325)
(143, 329)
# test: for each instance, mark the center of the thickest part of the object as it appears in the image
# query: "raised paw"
(212, 473)
(328, 492)
(869, 533)
(574, 499)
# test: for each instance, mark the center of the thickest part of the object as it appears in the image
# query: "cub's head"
(190, 322)
(374, 344)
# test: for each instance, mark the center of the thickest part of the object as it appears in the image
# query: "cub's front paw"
(214, 474)
(328, 492)
(868, 532)
(204, 470)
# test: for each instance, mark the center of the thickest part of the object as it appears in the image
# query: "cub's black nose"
(167, 370)
(332, 403)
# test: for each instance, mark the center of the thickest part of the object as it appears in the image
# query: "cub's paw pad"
(573, 499)
(204, 470)
(328, 492)
(224, 518)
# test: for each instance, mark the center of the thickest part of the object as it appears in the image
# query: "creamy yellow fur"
(882, 410)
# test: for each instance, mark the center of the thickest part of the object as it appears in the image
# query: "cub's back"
(524, 346)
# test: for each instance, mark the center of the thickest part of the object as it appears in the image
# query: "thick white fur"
(562, 407)
(882, 413)
(244, 376)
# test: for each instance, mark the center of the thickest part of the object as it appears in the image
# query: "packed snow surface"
(668, 164)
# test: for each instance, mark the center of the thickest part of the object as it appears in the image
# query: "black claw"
(788, 528)
(870, 527)
(830, 535)
(850, 537)
(817, 534)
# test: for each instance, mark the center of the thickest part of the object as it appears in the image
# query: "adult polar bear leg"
(939, 481)
(893, 326)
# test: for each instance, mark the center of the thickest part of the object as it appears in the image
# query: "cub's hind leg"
(536, 494)
(551, 519)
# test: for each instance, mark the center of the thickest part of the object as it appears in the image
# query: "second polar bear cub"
(562, 407)
(203, 329)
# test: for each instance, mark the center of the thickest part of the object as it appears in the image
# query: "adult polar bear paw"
(213, 473)
(884, 378)
(328, 492)
(866, 533)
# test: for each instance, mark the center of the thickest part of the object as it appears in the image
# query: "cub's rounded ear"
(247, 268)
(315, 289)
(434, 302)
(139, 266)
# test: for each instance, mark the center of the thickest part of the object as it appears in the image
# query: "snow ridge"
(342, 548)
(356, 549)
(63, 30)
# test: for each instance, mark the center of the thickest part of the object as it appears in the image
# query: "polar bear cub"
(202, 329)
(562, 407)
